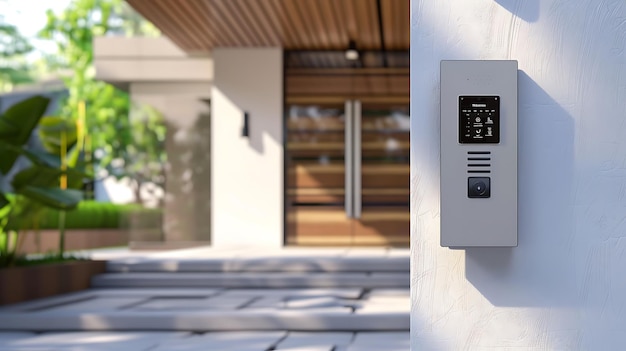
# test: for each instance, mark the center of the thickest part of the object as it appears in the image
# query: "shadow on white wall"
(540, 271)
(527, 10)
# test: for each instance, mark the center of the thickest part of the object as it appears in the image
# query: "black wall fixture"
(245, 131)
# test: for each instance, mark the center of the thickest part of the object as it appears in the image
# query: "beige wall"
(159, 74)
(186, 215)
(124, 60)
(247, 173)
(240, 202)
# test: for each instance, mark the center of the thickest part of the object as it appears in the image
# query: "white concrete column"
(562, 288)
(247, 172)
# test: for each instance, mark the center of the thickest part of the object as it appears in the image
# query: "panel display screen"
(479, 119)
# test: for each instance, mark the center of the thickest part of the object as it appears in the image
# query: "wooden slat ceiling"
(197, 26)
(336, 59)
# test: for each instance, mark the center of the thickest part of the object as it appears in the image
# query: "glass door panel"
(348, 175)
(385, 216)
(316, 177)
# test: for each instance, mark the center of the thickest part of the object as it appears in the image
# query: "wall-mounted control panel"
(478, 154)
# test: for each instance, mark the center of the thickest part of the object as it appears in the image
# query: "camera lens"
(480, 188)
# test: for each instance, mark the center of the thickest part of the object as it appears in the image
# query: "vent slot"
(479, 158)
(476, 162)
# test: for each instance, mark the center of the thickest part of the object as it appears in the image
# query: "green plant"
(102, 215)
(126, 146)
(51, 130)
(13, 48)
(36, 186)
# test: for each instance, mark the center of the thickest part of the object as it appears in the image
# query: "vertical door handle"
(348, 150)
(356, 169)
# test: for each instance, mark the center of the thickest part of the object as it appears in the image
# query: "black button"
(478, 187)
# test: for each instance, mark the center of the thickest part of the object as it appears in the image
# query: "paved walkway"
(217, 341)
(240, 299)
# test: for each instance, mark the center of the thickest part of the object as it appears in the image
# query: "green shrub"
(102, 215)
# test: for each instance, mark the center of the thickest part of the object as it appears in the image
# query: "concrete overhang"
(123, 61)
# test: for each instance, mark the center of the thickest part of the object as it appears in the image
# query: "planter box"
(18, 284)
(75, 239)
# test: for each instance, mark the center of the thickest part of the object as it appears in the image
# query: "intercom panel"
(478, 153)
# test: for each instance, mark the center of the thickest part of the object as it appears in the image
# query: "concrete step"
(264, 264)
(253, 280)
(205, 321)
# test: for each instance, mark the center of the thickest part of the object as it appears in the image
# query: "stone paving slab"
(242, 304)
(274, 302)
(343, 293)
(309, 348)
(390, 341)
(97, 304)
(388, 292)
(7, 338)
(300, 339)
(186, 304)
(91, 294)
(90, 341)
(313, 302)
(242, 341)
(378, 304)
(163, 292)
(253, 280)
(219, 341)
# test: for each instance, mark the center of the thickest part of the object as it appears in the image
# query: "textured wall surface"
(564, 286)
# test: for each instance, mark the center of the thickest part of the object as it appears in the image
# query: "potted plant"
(35, 187)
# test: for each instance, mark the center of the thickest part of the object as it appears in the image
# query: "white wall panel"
(247, 172)
(562, 288)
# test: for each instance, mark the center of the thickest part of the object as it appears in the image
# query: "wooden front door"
(347, 174)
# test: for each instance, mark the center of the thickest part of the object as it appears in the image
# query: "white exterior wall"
(123, 60)
(247, 173)
(563, 287)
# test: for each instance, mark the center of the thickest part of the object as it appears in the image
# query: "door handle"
(356, 169)
(348, 150)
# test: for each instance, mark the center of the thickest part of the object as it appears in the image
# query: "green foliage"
(13, 47)
(74, 31)
(18, 123)
(64, 199)
(4, 201)
(38, 182)
(50, 133)
(140, 147)
(36, 186)
(12, 43)
(135, 143)
(103, 215)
